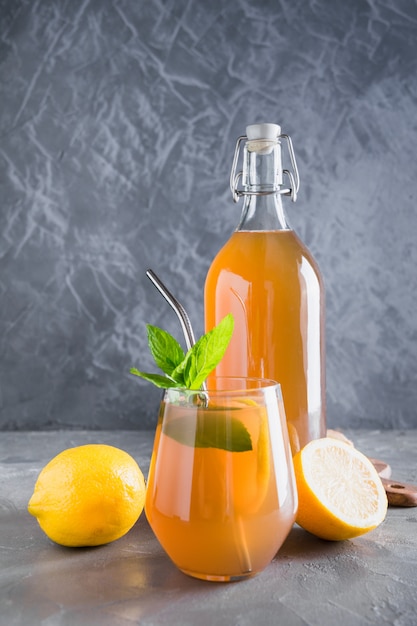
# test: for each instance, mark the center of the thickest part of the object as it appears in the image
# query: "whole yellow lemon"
(88, 495)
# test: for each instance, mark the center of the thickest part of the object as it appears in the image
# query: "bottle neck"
(262, 178)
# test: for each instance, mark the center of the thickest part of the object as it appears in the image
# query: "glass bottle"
(267, 278)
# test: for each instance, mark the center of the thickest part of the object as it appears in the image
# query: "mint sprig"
(191, 369)
(215, 430)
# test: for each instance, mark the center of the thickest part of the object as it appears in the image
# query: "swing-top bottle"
(267, 278)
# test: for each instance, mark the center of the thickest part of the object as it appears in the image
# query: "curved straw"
(177, 306)
(179, 310)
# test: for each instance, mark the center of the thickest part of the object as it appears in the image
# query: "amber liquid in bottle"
(267, 278)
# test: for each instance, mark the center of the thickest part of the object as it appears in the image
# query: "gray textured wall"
(118, 121)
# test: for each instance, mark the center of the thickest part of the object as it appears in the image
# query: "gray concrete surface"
(367, 581)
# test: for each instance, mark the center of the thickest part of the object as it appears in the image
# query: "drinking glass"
(221, 495)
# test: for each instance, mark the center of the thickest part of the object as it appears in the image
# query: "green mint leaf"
(207, 353)
(178, 374)
(165, 349)
(160, 381)
(214, 430)
(189, 370)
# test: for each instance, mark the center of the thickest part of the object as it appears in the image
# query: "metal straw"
(177, 306)
(179, 310)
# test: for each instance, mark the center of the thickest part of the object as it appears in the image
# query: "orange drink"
(221, 494)
(271, 284)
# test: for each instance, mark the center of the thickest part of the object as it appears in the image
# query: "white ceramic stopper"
(267, 132)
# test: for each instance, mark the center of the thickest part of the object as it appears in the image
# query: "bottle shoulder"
(281, 250)
(281, 242)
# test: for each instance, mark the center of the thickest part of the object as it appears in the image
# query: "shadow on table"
(301, 544)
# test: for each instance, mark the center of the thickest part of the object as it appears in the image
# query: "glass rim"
(238, 385)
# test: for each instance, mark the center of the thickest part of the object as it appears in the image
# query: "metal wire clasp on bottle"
(294, 177)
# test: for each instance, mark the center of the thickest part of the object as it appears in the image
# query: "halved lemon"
(340, 493)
